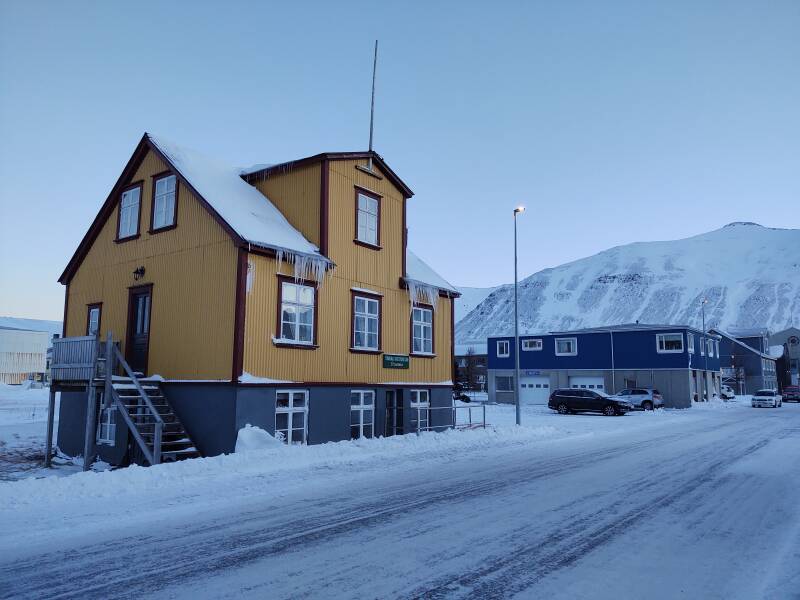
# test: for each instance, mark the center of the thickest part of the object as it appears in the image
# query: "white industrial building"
(23, 354)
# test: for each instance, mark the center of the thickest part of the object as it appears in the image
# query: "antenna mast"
(372, 103)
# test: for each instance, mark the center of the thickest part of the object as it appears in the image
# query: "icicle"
(420, 291)
(250, 275)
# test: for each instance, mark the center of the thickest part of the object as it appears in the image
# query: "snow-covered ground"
(702, 503)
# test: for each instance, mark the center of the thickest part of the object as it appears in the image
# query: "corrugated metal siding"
(193, 272)
(377, 270)
(296, 193)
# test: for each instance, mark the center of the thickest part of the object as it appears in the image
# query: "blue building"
(747, 365)
(681, 362)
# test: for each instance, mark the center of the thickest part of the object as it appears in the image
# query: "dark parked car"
(791, 393)
(572, 400)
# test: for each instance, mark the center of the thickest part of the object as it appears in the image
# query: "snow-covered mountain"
(470, 298)
(750, 275)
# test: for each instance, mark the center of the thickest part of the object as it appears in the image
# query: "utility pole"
(372, 103)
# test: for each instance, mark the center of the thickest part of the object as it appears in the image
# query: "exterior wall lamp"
(138, 273)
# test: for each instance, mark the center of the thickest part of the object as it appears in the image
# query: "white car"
(768, 398)
(726, 392)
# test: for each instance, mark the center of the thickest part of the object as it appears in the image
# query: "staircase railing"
(114, 356)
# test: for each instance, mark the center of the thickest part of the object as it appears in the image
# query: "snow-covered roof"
(739, 342)
(245, 209)
(419, 271)
(632, 327)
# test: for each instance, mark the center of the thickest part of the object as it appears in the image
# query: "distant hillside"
(34, 324)
(749, 273)
(470, 298)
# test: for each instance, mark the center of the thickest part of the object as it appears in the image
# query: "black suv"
(572, 400)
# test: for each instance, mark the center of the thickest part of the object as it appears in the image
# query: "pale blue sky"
(612, 122)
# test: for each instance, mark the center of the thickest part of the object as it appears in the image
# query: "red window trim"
(154, 179)
(89, 307)
(365, 192)
(117, 239)
(313, 345)
(353, 295)
(411, 331)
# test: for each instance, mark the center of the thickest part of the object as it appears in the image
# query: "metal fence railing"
(74, 358)
(439, 418)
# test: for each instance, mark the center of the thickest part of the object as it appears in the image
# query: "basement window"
(667, 343)
(107, 426)
(362, 413)
(291, 410)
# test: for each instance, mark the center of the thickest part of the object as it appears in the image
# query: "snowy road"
(708, 507)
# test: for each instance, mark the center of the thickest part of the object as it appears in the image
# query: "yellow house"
(282, 296)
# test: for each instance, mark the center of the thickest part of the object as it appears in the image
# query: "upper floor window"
(716, 346)
(129, 209)
(297, 313)
(529, 345)
(165, 192)
(702, 347)
(690, 338)
(368, 218)
(566, 346)
(366, 323)
(421, 330)
(710, 344)
(669, 342)
(502, 348)
(93, 319)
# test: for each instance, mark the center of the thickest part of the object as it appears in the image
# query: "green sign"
(395, 361)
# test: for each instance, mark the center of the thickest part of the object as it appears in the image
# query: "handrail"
(138, 386)
(133, 429)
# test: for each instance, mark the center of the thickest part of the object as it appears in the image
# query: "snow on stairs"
(175, 441)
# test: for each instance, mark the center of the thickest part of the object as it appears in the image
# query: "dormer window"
(368, 218)
(165, 193)
(129, 211)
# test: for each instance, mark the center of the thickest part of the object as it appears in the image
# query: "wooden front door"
(138, 341)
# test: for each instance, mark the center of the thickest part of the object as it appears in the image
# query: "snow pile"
(749, 273)
(254, 438)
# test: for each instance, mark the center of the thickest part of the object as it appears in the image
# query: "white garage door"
(587, 383)
(534, 390)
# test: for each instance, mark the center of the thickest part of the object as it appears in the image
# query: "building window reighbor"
(129, 213)
(566, 346)
(367, 218)
(297, 313)
(502, 348)
(529, 345)
(422, 331)
(420, 403)
(291, 410)
(362, 413)
(107, 426)
(690, 338)
(366, 323)
(164, 193)
(667, 343)
(93, 319)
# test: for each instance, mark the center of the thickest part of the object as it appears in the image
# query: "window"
(716, 345)
(420, 410)
(129, 204)
(422, 331)
(367, 218)
(566, 346)
(362, 413)
(93, 319)
(504, 383)
(107, 426)
(529, 345)
(297, 313)
(291, 409)
(690, 340)
(710, 348)
(667, 343)
(165, 193)
(702, 347)
(366, 323)
(502, 348)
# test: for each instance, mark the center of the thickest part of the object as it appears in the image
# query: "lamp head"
(519, 209)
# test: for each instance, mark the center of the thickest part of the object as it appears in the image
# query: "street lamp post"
(518, 210)
(705, 350)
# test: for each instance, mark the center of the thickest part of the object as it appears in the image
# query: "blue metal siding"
(632, 350)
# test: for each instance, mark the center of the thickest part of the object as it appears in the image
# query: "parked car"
(768, 398)
(791, 393)
(726, 392)
(572, 400)
(641, 398)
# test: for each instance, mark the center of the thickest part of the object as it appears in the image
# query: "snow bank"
(254, 438)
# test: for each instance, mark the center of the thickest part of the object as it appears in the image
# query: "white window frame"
(107, 426)
(290, 410)
(710, 347)
(507, 352)
(716, 347)
(416, 403)
(366, 318)
(164, 202)
(367, 220)
(690, 342)
(573, 352)
(359, 410)
(531, 345)
(297, 305)
(702, 346)
(661, 337)
(510, 377)
(425, 328)
(93, 327)
(129, 213)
